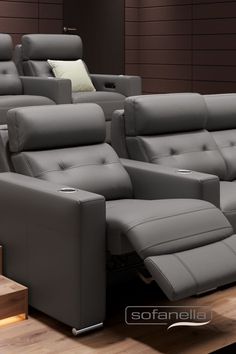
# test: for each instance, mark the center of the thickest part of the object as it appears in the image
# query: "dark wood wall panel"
(16, 25)
(214, 47)
(132, 37)
(153, 3)
(159, 45)
(19, 17)
(187, 45)
(164, 85)
(18, 9)
(52, 11)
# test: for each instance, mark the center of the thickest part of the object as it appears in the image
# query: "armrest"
(118, 138)
(58, 90)
(159, 182)
(54, 243)
(126, 85)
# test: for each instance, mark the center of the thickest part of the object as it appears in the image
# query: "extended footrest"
(197, 270)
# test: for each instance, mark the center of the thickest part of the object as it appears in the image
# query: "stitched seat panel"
(195, 271)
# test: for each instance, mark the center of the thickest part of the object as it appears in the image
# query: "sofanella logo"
(170, 316)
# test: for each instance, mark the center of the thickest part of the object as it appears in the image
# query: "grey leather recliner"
(111, 90)
(14, 91)
(72, 199)
(184, 131)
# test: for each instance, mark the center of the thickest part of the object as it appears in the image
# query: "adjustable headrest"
(48, 127)
(6, 47)
(164, 113)
(51, 46)
(221, 111)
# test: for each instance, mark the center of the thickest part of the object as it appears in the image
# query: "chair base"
(77, 332)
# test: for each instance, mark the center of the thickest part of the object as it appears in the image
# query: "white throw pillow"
(75, 71)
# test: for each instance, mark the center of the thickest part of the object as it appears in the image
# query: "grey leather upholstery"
(221, 123)
(43, 47)
(67, 153)
(11, 86)
(183, 131)
(169, 130)
(6, 47)
(222, 126)
(156, 227)
(166, 113)
(109, 101)
(27, 127)
(5, 161)
(52, 238)
(10, 83)
(111, 89)
(42, 154)
(8, 102)
(206, 265)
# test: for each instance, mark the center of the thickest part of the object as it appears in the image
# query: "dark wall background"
(182, 45)
(30, 16)
(101, 26)
(175, 45)
(214, 46)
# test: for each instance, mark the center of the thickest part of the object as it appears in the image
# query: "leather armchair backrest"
(221, 123)
(169, 130)
(65, 144)
(38, 48)
(10, 83)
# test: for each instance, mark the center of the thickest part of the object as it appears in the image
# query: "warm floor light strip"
(13, 319)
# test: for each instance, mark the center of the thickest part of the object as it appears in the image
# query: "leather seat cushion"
(109, 101)
(8, 102)
(155, 227)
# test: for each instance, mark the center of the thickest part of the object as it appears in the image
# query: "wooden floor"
(41, 334)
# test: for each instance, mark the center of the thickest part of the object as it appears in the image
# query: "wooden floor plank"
(43, 335)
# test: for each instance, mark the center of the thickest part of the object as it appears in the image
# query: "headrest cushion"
(6, 47)
(164, 113)
(51, 46)
(48, 127)
(221, 111)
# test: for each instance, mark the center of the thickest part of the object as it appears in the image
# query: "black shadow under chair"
(71, 199)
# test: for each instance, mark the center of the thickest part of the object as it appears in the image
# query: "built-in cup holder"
(184, 171)
(67, 190)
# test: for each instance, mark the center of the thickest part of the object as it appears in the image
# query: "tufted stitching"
(181, 153)
(77, 166)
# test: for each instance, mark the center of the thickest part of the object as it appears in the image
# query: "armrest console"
(126, 85)
(58, 90)
(157, 181)
(55, 244)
